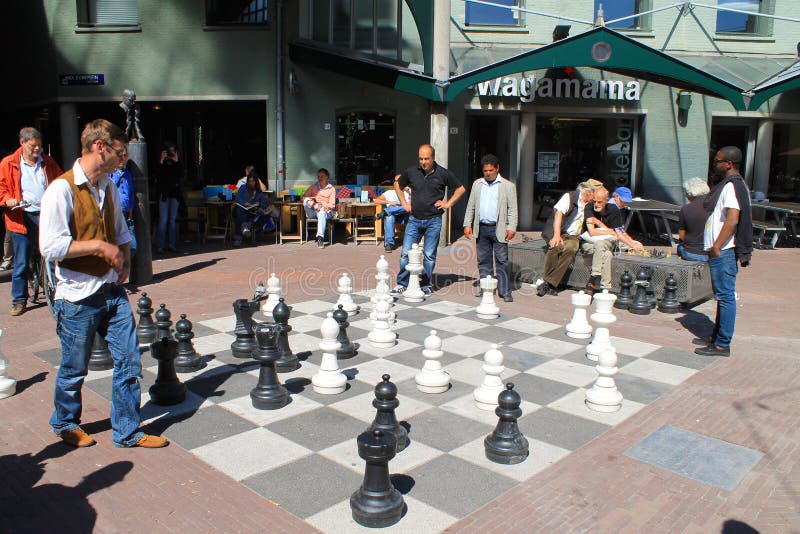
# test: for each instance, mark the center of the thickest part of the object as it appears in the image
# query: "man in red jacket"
(24, 175)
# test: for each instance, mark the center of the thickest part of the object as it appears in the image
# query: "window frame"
(214, 20)
(763, 25)
(83, 10)
(516, 16)
(645, 22)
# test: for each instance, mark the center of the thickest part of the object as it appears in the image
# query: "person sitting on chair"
(393, 208)
(250, 210)
(251, 169)
(319, 201)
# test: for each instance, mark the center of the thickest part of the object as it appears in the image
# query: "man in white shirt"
(392, 211)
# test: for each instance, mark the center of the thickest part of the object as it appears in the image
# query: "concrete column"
(527, 173)
(142, 263)
(440, 122)
(70, 134)
(761, 167)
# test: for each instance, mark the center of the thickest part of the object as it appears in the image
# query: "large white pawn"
(579, 326)
(345, 299)
(274, 292)
(381, 335)
(604, 396)
(8, 386)
(432, 378)
(602, 318)
(487, 309)
(486, 394)
(413, 292)
(329, 380)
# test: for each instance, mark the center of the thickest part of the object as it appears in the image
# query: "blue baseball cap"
(624, 194)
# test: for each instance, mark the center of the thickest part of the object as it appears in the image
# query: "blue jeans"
(723, 281)
(389, 220)
(132, 231)
(167, 214)
(487, 246)
(690, 256)
(110, 315)
(321, 217)
(23, 250)
(415, 230)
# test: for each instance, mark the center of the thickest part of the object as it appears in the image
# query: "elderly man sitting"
(692, 221)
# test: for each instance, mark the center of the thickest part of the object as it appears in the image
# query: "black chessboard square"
(579, 356)
(221, 387)
(195, 429)
(558, 428)
(678, 357)
(413, 358)
(418, 316)
(539, 390)
(319, 429)
(520, 360)
(417, 333)
(200, 330)
(493, 334)
(51, 356)
(408, 388)
(443, 430)
(640, 389)
(306, 486)
(561, 335)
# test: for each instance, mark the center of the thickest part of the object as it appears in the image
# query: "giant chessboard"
(304, 456)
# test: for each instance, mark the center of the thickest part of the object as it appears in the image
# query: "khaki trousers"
(602, 251)
(558, 260)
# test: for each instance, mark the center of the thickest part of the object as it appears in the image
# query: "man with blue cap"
(621, 197)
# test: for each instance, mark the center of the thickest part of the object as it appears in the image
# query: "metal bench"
(760, 230)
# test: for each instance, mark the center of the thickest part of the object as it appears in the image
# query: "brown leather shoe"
(18, 308)
(151, 442)
(77, 438)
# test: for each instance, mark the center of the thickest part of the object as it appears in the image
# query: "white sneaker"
(537, 283)
(397, 290)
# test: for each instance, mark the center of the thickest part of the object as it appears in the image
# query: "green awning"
(785, 80)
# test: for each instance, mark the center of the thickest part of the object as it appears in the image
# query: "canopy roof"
(746, 82)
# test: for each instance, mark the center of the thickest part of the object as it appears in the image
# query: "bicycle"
(41, 278)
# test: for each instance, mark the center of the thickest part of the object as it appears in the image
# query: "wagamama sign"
(527, 88)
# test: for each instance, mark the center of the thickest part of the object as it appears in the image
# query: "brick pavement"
(749, 399)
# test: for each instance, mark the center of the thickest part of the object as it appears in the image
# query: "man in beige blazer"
(492, 217)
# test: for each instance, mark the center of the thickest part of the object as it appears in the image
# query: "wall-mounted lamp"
(561, 32)
(684, 103)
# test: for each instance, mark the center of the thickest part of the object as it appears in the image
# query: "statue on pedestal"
(132, 111)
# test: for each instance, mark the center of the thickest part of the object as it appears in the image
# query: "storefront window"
(365, 147)
(784, 179)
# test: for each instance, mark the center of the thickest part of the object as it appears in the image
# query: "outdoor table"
(658, 209)
(782, 211)
(292, 216)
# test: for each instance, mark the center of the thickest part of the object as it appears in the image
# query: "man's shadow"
(697, 323)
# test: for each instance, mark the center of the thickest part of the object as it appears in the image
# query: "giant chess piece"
(669, 301)
(273, 296)
(245, 342)
(347, 348)
(268, 394)
(329, 380)
(432, 378)
(381, 336)
(602, 318)
(345, 289)
(487, 309)
(146, 329)
(385, 419)
(167, 389)
(163, 323)
(604, 396)
(651, 293)
(382, 290)
(625, 297)
(376, 504)
(8, 386)
(288, 361)
(188, 360)
(579, 326)
(507, 445)
(486, 394)
(100, 358)
(413, 292)
(640, 304)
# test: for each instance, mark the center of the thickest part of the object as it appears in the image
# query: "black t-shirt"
(426, 190)
(168, 179)
(611, 216)
(693, 219)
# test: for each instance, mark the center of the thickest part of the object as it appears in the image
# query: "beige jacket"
(507, 214)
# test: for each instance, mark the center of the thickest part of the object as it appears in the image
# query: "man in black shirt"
(429, 183)
(603, 228)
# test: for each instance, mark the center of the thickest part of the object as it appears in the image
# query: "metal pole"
(280, 169)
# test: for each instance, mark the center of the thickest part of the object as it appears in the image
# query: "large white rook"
(274, 292)
(432, 378)
(486, 394)
(579, 326)
(345, 295)
(602, 318)
(8, 386)
(604, 396)
(413, 292)
(329, 380)
(487, 309)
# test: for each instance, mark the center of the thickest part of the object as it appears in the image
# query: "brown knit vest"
(88, 223)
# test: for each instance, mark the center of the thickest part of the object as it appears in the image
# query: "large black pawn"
(167, 389)
(100, 359)
(163, 323)
(377, 503)
(188, 360)
(348, 349)
(669, 301)
(288, 362)
(146, 329)
(385, 420)
(245, 342)
(268, 394)
(651, 293)
(507, 445)
(640, 304)
(625, 296)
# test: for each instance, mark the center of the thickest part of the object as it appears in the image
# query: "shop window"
(784, 177)
(742, 21)
(625, 8)
(367, 26)
(236, 13)
(481, 14)
(93, 13)
(365, 147)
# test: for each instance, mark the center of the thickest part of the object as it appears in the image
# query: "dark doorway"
(365, 147)
(729, 135)
(488, 134)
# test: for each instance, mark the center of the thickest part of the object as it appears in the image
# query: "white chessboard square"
(372, 371)
(153, 412)
(544, 346)
(251, 452)
(658, 371)
(541, 456)
(576, 374)
(458, 325)
(465, 406)
(214, 343)
(223, 324)
(367, 324)
(306, 323)
(574, 403)
(528, 326)
(447, 307)
(470, 371)
(466, 346)
(400, 346)
(631, 347)
(419, 517)
(361, 407)
(312, 306)
(243, 407)
(346, 455)
(304, 343)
